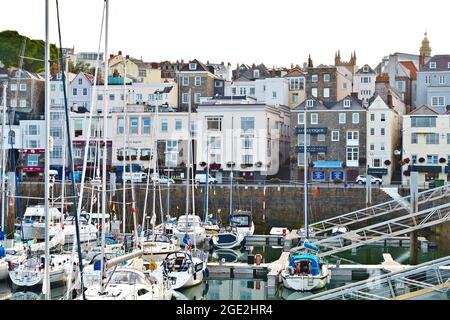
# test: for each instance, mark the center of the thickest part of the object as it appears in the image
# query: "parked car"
(137, 176)
(201, 178)
(363, 180)
(163, 180)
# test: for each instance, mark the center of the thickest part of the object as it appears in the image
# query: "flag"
(153, 220)
(113, 209)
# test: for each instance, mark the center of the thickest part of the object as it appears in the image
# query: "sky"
(276, 33)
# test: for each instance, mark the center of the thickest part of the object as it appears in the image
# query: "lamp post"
(305, 172)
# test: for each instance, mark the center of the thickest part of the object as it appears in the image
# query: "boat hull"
(306, 282)
(227, 241)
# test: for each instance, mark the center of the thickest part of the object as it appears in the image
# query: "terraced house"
(336, 139)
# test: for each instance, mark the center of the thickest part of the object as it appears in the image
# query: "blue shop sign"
(311, 149)
(300, 130)
(447, 169)
(327, 164)
(337, 175)
(318, 175)
(377, 171)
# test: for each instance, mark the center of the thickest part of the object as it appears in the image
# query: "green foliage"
(11, 45)
(338, 181)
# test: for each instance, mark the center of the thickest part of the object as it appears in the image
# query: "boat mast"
(155, 151)
(232, 165)
(105, 153)
(207, 177)
(3, 156)
(188, 158)
(124, 152)
(305, 177)
(46, 287)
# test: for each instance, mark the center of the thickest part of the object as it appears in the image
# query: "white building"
(426, 144)
(364, 82)
(269, 91)
(249, 134)
(80, 91)
(383, 138)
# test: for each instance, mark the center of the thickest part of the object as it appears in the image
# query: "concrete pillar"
(413, 247)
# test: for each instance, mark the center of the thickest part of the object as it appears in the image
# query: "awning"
(327, 164)
(434, 169)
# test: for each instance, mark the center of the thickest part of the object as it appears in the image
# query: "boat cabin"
(241, 219)
(305, 264)
(37, 214)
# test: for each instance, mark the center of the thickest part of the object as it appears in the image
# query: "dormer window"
(309, 103)
(192, 66)
(255, 73)
(365, 69)
(18, 73)
(432, 65)
(448, 65)
(347, 103)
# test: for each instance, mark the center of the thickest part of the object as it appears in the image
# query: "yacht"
(242, 222)
(157, 246)
(88, 231)
(228, 239)
(189, 229)
(33, 224)
(125, 283)
(306, 271)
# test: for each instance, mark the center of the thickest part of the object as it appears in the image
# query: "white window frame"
(301, 118)
(433, 65)
(23, 87)
(198, 81)
(333, 137)
(342, 118)
(355, 120)
(315, 117)
(185, 81)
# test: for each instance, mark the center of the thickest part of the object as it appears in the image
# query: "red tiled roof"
(421, 107)
(295, 72)
(411, 67)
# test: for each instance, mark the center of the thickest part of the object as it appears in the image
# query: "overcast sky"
(276, 33)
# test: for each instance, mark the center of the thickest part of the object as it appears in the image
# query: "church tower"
(425, 50)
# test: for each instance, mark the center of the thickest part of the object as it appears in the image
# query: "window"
(192, 66)
(233, 90)
(80, 81)
(11, 137)
(134, 124)
(432, 65)
(376, 163)
(441, 79)
(401, 86)
(314, 118)
(14, 103)
(342, 118)
(294, 97)
(382, 147)
(300, 159)
(178, 124)
(74, 91)
(432, 159)
(164, 125)
(215, 142)
(428, 122)
(193, 128)
(198, 81)
(294, 84)
(314, 78)
(255, 73)
(414, 159)
(301, 118)
(437, 101)
(372, 131)
(172, 146)
(23, 87)
(78, 127)
(218, 84)
(365, 80)
(314, 92)
(326, 92)
(33, 130)
(197, 97)
(185, 98)
(145, 125)
(247, 159)
(414, 138)
(248, 124)
(112, 97)
(448, 65)
(372, 147)
(185, 81)
(347, 103)
(214, 124)
(247, 143)
(56, 132)
(344, 85)
(320, 137)
(352, 154)
(77, 153)
(214, 158)
(139, 97)
(352, 137)
(355, 118)
(33, 160)
(252, 91)
(383, 131)
(427, 79)
(274, 94)
(85, 91)
(320, 156)
(335, 136)
(432, 138)
(52, 87)
(326, 77)
(13, 87)
(372, 117)
(300, 140)
(448, 138)
(32, 144)
(146, 152)
(309, 103)
(243, 91)
(120, 126)
(56, 153)
(99, 97)
(23, 103)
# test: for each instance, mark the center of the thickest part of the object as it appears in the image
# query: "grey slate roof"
(441, 63)
(199, 67)
(370, 71)
(355, 104)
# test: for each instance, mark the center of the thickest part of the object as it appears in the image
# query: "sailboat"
(306, 270)
(189, 229)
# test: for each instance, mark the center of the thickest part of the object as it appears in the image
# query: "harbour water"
(251, 289)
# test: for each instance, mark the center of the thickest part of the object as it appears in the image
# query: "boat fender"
(195, 274)
(10, 265)
(243, 242)
(206, 273)
(2, 252)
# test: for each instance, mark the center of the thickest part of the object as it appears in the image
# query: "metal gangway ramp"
(382, 230)
(425, 279)
(398, 205)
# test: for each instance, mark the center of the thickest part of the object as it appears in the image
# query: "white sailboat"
(306, 270)
(88, 231)
(34, 222)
